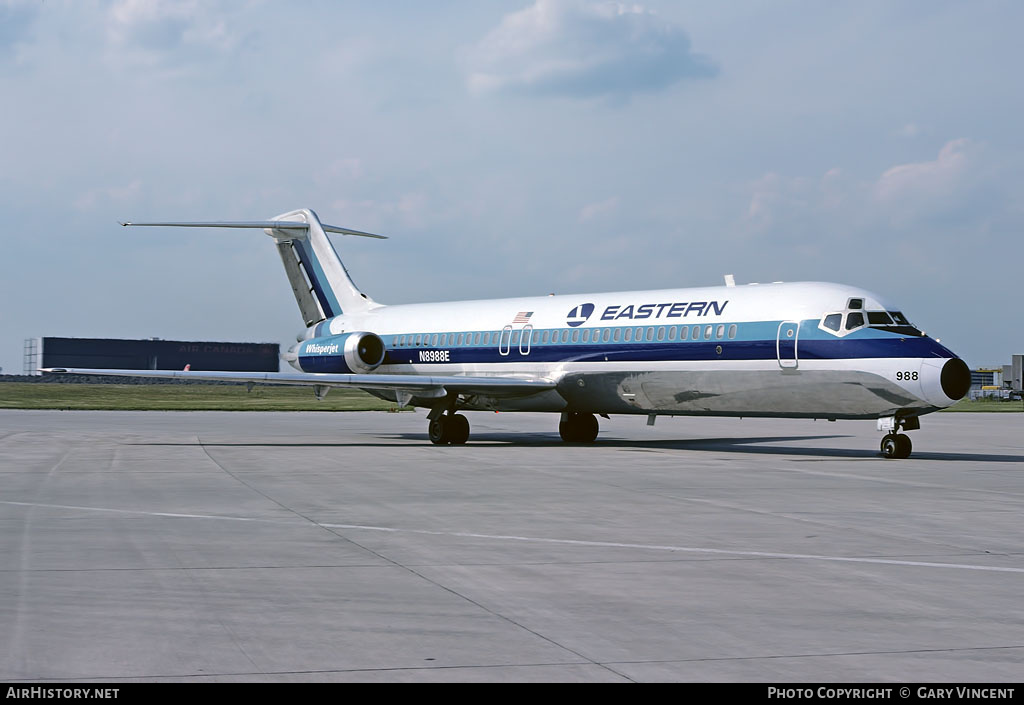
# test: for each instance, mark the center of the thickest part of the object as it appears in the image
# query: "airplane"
(795, 350)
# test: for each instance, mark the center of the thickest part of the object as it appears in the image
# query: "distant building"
(1000, 382)
(991, 378)
(151, 354)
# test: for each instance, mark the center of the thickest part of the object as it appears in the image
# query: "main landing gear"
(449, 429)
(894, 444)
(453, 429)
(578, 427)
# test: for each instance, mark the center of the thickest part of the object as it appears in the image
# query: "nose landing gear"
(894, 444)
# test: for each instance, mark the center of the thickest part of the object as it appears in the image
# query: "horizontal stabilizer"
(259, 224)
(319, 281)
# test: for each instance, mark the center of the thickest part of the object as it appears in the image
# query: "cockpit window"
(894, 322)
(842, 323)
(854, 317)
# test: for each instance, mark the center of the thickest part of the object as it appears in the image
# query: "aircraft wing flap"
(418, 385)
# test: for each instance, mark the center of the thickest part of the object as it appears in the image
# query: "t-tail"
(321, 284)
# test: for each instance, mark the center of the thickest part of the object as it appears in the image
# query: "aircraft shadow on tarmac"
(748, 444)
(745, 445)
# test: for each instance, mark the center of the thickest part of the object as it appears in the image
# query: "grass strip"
(181, 397)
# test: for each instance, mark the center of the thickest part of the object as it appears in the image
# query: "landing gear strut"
(449, 429)
(895, 444)
(577, 427)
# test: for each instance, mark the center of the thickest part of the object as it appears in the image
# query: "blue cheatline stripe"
(321, 287)
(813, 345)
(685, 351)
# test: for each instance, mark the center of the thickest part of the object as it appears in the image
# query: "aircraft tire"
(458, 429)
(888, 445)
(439, 431)
(903, 446)
(579, 428)
(896, 445)
(589, 428)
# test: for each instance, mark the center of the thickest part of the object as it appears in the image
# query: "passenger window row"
(564, 336)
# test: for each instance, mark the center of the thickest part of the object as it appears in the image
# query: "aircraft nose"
(944, 382)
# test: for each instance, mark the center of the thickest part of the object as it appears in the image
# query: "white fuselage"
(753, 350)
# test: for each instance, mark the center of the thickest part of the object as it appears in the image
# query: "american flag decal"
(522, 318)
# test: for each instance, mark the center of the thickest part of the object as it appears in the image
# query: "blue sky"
(508, 148)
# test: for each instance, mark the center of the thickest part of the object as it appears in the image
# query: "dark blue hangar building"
(156, 354)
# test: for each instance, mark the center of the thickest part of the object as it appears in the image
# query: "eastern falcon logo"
(579, 315)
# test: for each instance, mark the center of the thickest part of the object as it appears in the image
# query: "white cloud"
(911, 129)
(779, 199)
(341, 170)
(583, 49)
(410, 209)
(163, 21)
(145, 31)
(902, 195)
(107, 195)
(599, 209)
(923, 183)
(16, 19)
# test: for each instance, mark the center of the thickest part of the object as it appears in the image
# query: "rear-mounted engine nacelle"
(357, 353)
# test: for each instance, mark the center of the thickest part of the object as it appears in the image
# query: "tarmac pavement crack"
(15, 634)
(607, 665)
(959, 550)
(193, 577)
(335, 530)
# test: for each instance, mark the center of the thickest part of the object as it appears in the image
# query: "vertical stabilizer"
(320, 282)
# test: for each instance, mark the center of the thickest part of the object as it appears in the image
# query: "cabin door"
(505, 342)
(786, 344)
(526, 339)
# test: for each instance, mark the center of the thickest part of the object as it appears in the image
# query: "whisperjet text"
(669, 310)
(319, 349)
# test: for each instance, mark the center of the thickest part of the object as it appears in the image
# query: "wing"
(421, 386)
